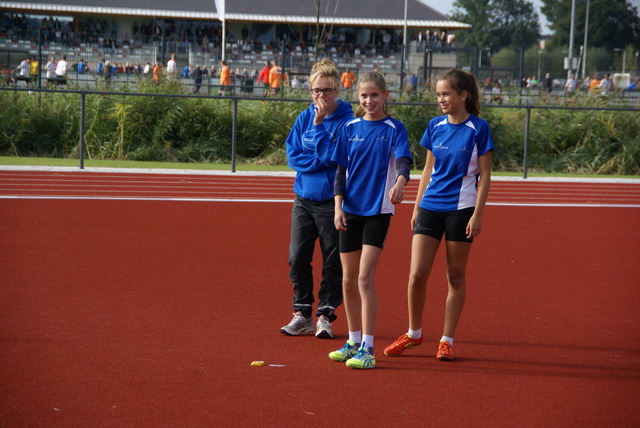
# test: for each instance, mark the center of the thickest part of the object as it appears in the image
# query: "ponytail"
(461, 80)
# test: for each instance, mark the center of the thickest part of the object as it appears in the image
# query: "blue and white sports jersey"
(455, 175)
(309, 150)
(369, 149)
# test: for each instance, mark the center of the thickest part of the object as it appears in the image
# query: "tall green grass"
(199, 130)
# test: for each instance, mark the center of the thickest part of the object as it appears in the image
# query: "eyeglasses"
(318, 91)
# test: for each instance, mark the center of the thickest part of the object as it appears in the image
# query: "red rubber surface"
(149, 312)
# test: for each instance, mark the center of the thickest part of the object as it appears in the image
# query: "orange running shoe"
(404, 342)
(444, 351)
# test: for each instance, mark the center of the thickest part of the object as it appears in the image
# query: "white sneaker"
(299, 324)
(323, 328)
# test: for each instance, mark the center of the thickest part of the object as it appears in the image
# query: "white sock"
(355, 336)
(415, 334)
(448, 339)
(367, 340)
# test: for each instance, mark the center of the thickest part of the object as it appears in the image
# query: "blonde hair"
(325, 68)
(378, 79)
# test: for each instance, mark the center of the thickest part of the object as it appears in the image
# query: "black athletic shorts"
(452, 223)
(364, 230)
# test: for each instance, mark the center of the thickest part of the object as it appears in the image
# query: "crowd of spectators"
(432, 39)
(207, 36)
(104, 33)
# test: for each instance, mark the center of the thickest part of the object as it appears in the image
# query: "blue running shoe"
(347, 351)
(363, 359)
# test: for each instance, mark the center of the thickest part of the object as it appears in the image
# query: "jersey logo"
(356, 139)
(441, 146)
(307, 140)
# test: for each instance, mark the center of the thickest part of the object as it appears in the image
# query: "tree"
(497, 23)
(612, 23)
(321, 30)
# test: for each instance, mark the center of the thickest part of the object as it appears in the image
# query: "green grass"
(97, 163)
(100, 163)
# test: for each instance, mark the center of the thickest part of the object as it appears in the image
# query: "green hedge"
(188, 129)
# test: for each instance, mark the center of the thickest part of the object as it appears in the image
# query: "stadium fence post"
(525, 159)
(233, 133)
(82, 114)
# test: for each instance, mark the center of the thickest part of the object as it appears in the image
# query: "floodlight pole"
(586, 32)
(221, 11)
(404, 49)
(571, 35)
(404, 36)
(224, 38)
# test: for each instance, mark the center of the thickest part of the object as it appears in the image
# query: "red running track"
(278, 187)
(148, 311)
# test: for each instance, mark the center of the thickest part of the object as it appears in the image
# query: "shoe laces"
(404, 340)
(298, 318)
(363, 353)
(445, 347)
(347, 347)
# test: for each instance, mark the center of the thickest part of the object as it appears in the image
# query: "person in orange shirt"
(276, 78)
(347, 80)
(225, 78)
(593, 84)
(264, 78)
(157, 69)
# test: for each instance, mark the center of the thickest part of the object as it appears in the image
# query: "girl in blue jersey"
(310, 145)
(451, 198)
(373, 159)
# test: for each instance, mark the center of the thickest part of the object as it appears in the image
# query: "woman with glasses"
(310, 145)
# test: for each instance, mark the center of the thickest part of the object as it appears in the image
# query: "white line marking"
(170, 199)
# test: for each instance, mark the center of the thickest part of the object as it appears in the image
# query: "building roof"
(386, 13)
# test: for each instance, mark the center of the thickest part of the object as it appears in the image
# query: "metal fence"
(82, 94)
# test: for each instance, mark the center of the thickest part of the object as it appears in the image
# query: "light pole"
(571, 33)
(539, 69)
(586, 32)
(403, 59)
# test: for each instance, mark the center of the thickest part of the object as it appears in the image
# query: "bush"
(156, 127)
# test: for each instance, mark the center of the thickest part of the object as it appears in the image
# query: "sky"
(446, 7)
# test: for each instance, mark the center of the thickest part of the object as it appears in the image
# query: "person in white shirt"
(51, 72)
(25, 69)
(606, 84)
(61, 72)
(571, 85)
(172, 65)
